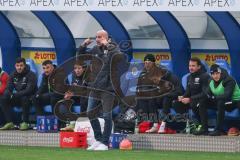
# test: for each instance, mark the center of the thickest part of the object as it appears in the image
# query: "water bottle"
(136, 129)
(48, 124)
(55, 124)
(42, 125)
(188, 130)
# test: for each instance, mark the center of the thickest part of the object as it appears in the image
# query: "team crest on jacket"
(24, 79)
(197, 80)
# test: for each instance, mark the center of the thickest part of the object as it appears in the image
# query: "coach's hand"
(86, 42)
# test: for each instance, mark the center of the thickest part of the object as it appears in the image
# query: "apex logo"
(216, 3)
(148, 3)
(42, 3)
(75, 3)
(113, 3)
(11, 3)
(182, 3)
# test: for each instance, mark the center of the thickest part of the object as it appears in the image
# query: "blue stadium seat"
(39, 80)
(18, 109)
(233, 115)
(172, 111)
(167, 64)
(54, 62)
(135, 68)
(76, 109)
(116, 111)
(204, 63)
(69, 78)
(184, 81)
(32, 66)
(223, 64)
(130, 78)
(48, 109)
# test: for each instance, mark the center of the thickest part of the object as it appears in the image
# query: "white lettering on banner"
(44, 55)
(10, 3)
(68, 139)
(120, 5)
(182, 3)
(77, 3)
(44, 3)
(113, 3)
(212, 57)
(217, 3)
(147, 3)
(161, 57)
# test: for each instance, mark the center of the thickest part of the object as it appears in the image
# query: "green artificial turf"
(47, 153)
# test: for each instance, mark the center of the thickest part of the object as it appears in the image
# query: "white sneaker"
(94, 145)
(162, 127)
(101, 147)
(154, 129)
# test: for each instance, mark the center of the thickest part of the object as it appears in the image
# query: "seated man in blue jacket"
(78, 78)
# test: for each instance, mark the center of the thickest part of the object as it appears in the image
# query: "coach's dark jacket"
(102, 77)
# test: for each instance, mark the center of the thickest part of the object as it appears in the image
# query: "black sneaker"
(215, 133)
(200, 131)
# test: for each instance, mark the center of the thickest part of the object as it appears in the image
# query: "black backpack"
(125, 121)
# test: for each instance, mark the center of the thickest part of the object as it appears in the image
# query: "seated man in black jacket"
(21, 86)
(148, 108)
(166, 102)
(194, 96)
(224, 94)
(45, 95)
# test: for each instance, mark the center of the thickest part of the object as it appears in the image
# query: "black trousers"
(199, 108)
(45, 99)
(220, 106)
(7, 103)
(82, 101)
(165, 103)
(149, 107)
(147, 110)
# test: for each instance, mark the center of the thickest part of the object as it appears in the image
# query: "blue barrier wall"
(9, 43)
(65, 46)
